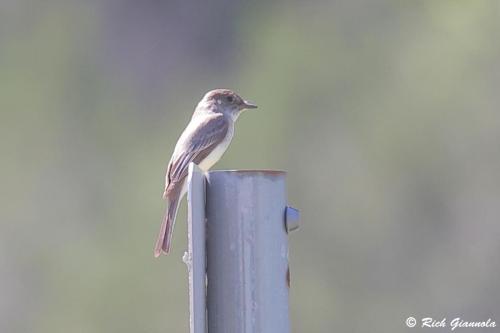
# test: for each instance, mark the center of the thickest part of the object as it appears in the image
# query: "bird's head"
(226, 101)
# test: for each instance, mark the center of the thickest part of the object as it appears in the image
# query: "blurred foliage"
(384, 113)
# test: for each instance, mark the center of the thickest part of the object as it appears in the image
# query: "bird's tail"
(167, 226)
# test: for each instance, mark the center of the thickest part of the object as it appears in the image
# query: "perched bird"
(203, 142)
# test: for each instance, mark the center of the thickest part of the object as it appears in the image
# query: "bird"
(204, 140)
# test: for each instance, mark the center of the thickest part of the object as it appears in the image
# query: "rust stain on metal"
(252, 171)
(288, 277)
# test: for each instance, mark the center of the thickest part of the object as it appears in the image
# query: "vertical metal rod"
(247, 252)
(195, 257)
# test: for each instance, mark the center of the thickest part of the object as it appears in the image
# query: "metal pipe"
(247, 252)
(195, 257)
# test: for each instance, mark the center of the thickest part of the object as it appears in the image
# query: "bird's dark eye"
(230, 99)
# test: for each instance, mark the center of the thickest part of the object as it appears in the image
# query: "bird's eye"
(230, 99)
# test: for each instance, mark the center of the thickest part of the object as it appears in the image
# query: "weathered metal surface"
(195, 257)
(247, 252)
(255, 171)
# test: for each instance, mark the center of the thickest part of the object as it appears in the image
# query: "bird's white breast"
(218, 151)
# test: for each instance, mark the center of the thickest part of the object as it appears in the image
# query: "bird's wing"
(198, 143)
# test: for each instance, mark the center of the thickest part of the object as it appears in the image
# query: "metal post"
(247, 252)
(195, 257)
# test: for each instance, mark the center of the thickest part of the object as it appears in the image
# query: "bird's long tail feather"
(167, 227)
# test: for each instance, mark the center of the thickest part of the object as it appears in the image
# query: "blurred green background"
(384, 113)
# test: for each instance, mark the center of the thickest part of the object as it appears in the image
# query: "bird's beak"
(248, 105)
